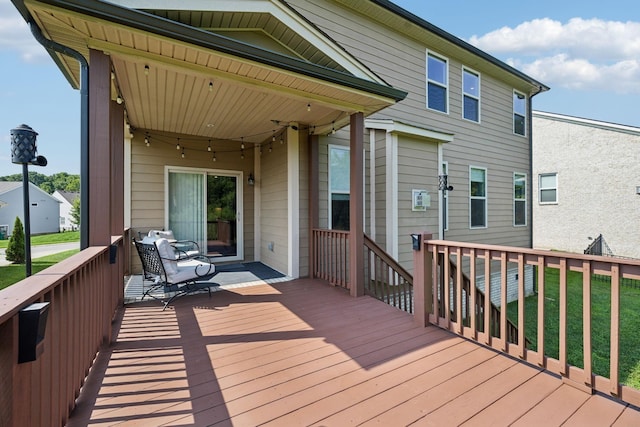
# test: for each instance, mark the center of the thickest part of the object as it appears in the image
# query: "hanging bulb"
(119, 99)
(178, 144)
(333, 128)
(210, 86)
(214, 157)
(308, 107)
(209, 147)
(271, 147)
(182, 155)
(146, 140)
(242, 144)
(242, 154)
(281, 140)
(273, 137)
(146, 70)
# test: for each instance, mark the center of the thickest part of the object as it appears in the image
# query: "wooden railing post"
(422, 279)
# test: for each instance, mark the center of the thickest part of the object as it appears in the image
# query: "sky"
(587, 51)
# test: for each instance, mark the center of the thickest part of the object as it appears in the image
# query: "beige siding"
(274, 217)
(418, 169)
(148, 185)
(303, 195)
(381, 188)
(400, 61)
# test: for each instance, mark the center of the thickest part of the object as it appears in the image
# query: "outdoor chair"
(183, 248)
(180, 276)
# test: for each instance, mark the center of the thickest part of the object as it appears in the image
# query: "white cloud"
(579, 54)
(15, 35)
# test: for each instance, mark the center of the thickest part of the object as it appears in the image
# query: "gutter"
(84, 125)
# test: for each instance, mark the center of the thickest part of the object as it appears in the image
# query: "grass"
(49, 239)
(629, 358)
(13, 273)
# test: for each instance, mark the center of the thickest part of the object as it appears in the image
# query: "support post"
(356, 206)
(27, 219)
(422, 280)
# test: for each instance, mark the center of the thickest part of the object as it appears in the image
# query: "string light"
(271, 147)
(210, 86)
(214, 157)
(333, 128)
(146, 139)
(273, 137)
(178, 144)
(209, 147)
(182, 155)
(146, 70)
(242, 143)
(242, 154)
(308, 107)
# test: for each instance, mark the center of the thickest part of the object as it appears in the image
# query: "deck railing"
(331, 260)
(480, 259)
(84, 292)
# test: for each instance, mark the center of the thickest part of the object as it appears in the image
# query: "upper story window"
(339, 185)
(437, 83)
(519, 113)
(470, 95)
(478, 197)
(548, 188)
(519, 199)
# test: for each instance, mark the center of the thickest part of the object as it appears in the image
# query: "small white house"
(44, 209)
(586, 183)
(66, 200)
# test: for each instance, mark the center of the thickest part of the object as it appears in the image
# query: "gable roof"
(7, 186)
(69, 196)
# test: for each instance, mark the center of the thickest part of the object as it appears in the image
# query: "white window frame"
(485, 198)
(444, 85)
(523, 199)
(541, 188)
(330, 191)
(524, 115)
(467, 70)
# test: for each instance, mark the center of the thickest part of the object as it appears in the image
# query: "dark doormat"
(245, 272)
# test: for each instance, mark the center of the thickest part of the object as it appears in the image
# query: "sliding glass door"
(205, 206)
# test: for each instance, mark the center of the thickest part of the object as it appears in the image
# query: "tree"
(75, 212)
(15, 248)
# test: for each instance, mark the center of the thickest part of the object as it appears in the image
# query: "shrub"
(15, 248)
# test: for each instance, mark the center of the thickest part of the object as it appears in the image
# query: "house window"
(478, 197)
(470, 95)
(519, 199)
(548, 188)
(437, 83)
(339, 183)
(519, 113)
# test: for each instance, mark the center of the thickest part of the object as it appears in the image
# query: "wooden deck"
(304, 353)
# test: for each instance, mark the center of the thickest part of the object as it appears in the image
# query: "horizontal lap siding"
(274, 208)
(400, 61)
(418, 169)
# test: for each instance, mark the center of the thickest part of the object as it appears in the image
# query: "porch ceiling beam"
(148, 58)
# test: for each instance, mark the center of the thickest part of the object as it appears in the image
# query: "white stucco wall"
(598, 170)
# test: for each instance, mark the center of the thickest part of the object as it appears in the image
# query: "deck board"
(304, 353)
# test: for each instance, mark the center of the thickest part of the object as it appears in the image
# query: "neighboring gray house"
(44, 212)
(586, 184)
(66, 199)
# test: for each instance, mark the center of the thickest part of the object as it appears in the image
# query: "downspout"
(538, 90)
(84, 126)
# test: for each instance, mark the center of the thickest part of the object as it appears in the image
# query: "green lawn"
(600, 323)
(48, 239)
(13, 273)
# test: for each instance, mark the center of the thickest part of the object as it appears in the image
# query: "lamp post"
(24, 152)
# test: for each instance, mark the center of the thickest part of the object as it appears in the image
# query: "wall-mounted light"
(251, 180)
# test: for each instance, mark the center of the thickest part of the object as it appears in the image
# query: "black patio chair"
(167, 272)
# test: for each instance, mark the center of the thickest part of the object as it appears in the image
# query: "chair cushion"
(161, 234)
(191, 270)
(168, 255)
